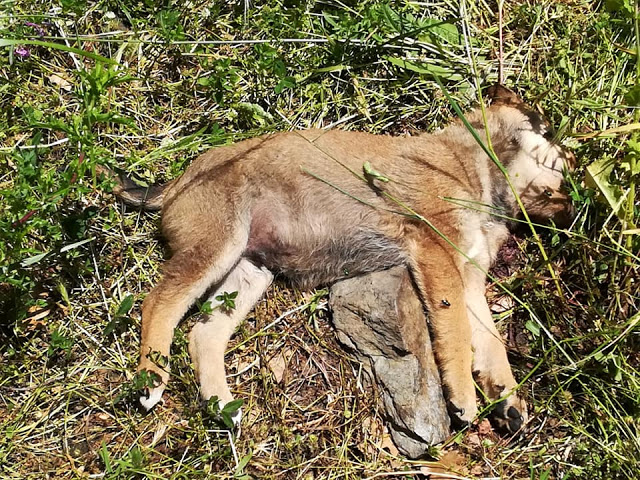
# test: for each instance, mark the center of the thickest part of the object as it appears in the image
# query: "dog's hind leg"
(187, 276)
(208, 338)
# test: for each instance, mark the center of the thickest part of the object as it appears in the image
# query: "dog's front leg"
(490, 362)
(437, 272)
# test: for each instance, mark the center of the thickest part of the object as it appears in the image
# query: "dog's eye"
(548, 135)
(548, 192)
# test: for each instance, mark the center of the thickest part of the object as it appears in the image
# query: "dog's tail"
(145, 198)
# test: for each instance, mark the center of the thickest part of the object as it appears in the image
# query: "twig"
(31, 147)
(66, 42)
(500, 46)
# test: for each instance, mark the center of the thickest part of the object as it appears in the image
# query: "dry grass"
(67, 409)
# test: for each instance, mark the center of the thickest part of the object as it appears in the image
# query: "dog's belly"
(309, 258)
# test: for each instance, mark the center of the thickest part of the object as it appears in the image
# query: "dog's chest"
(482, 240)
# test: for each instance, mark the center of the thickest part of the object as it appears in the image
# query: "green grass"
(182, 78)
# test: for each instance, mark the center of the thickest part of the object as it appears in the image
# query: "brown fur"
(298, 205)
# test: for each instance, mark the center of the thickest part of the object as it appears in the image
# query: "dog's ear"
(501, 95)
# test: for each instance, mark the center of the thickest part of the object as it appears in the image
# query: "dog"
(316, 206)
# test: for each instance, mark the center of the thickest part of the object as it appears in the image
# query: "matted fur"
(298, 205)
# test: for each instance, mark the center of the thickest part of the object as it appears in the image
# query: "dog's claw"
(458, 415)
(236, 417)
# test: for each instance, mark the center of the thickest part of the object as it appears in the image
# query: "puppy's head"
(538, 165)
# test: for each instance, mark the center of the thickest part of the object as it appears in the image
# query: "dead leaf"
(477, 471)
(278, 364)
(387, 444)
(38, 313)
(158, 434)
(36, 318)
(597, 177)
(502, 303)
(451, 462)
(484, 427)
(60, 82)
(473, 439)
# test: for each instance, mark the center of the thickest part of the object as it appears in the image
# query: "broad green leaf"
(103, 453)
(332, 68)
(438, 31)
(226, 419)
(597, 176)
(255, 113)
(206, 308)
(632, 97)
(625, 7)
(286, 82)
(244, 461)
(71, 246)
(233, 405)
(533, 327)
(125, 306)
(391, 18)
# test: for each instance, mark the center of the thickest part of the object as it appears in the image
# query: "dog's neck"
(505, 145)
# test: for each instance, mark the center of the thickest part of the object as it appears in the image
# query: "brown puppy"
(299, 205)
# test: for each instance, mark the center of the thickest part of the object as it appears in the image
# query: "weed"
(59, 343)
(222, 417)
(121, 319)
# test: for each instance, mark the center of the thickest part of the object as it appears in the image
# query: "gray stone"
(380, 319)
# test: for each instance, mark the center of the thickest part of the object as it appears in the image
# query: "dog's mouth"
(564, 218)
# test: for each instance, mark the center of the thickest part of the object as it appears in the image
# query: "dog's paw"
(151, 385)
(510, 414)
(236, 417)
(151, 397)
(231, 411)
(227, 412)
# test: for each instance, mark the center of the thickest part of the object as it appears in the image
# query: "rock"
(380, 319)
